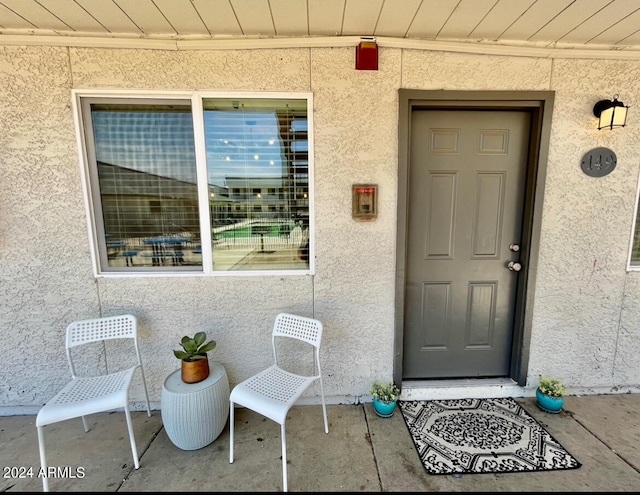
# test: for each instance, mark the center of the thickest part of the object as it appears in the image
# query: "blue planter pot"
(384, 409)
(549, 404)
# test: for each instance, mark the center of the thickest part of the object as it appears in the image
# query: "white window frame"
(196, 98)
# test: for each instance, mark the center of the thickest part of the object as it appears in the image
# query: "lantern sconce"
(611, 113)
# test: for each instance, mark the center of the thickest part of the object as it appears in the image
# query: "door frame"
(540, 106)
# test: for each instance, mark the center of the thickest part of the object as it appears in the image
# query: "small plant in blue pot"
(385, 396)
(550, 394)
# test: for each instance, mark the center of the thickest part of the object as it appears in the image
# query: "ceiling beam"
(512, 49)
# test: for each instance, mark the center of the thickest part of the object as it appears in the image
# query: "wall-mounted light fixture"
(367, 54)
(611, 113)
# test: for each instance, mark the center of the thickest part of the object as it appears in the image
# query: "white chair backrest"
(114, 327)
(298, 327)
(99, 330)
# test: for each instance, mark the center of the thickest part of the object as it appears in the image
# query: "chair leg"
(284, 458)
(146, 393)
(324, 408)
(132, 439)
(85, 424)
(43, 460)
(231, 432)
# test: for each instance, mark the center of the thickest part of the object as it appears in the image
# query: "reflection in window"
(635, 246)
(147, 196)
(253, 147)
(146, 173)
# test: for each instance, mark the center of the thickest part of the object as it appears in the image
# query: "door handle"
(514, 266)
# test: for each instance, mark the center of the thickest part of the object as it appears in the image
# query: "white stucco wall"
(585, 305)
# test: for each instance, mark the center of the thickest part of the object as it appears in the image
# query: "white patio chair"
(88, 395)
(273, 391)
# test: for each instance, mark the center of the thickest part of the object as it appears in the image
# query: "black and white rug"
(481, 436)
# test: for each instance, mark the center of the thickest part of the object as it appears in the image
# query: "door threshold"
(465, 388)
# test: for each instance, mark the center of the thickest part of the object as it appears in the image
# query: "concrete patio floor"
(361, 453)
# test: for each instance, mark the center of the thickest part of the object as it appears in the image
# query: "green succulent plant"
(551, 386)
(385, 392)
(194, 347)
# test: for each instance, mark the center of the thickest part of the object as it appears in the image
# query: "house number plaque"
(599, 162)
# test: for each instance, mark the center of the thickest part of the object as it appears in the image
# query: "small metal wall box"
(364, 201)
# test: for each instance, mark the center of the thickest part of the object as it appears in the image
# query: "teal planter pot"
(548, 403)
(384, 409)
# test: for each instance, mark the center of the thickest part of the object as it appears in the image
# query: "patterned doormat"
(481, 436)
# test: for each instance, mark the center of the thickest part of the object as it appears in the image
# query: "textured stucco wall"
(585, 301)
(44, 254)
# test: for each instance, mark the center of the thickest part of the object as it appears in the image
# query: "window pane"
(258, 169)
(146, 175)
(635, 249)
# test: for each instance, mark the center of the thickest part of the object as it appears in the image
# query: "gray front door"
(467, 172)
